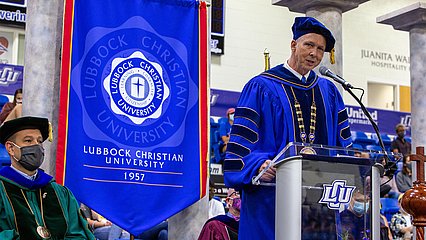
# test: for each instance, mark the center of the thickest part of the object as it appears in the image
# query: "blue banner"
(133, 121)
(11, 78)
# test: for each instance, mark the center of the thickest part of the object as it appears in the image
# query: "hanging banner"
(133, 113)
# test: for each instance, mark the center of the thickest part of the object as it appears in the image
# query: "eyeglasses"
(234, 194)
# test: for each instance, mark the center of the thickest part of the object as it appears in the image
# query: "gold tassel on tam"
(267, 59)
(50, 138)
(332, 57)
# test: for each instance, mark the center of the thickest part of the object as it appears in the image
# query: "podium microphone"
(389, 168)
(327, 72)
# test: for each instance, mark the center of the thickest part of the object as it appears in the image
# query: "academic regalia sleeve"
(344, 138)
(256, 134)
(77, 225)
(338, 123)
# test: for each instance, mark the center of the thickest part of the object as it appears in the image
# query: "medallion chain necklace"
(42, 231)
(300, 121)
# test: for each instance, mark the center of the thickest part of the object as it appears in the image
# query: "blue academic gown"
(264, 123)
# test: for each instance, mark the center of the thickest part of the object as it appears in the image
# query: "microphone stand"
(389, 169)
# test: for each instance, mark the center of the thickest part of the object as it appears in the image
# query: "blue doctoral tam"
(305, 25)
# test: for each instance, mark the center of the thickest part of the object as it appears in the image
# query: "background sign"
(11, 78)
(6, 47)
(217, 41)
(18, 3)
(221, 100)
(385, 119)
(13, 15)
(133, 115)
(217, 44)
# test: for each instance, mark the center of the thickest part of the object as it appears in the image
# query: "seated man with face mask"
(32, 205)
(354, 222)
(224, 227)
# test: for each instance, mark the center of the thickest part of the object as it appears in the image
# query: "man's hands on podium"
(269, 175)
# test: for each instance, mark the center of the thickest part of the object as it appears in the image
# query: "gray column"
(43, 38)
(332, 18)
(413, 20)
(188, 223)
(329, 12)
(418, 86)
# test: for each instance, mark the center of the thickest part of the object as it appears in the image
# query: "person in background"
(233, 202)
(389, 184)
(158, 232)
(15, 113)
(354, 222)
(287, 103)
(100, 227)
(225, 126)
(9, 107)
(400, 144)
(385, 231)
(352, 219)
(401, 224)
(117, 232)
(403, 177)
(215, 207)
(32, 204)
(224, 227)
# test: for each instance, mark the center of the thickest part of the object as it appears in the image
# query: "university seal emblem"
(136, 88)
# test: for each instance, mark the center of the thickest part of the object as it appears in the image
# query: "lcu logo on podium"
(336, 194)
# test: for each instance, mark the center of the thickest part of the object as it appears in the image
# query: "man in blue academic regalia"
(266, 121)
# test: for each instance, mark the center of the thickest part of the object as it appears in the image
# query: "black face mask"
(31, 156)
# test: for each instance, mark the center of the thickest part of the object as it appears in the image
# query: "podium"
(322, 192)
